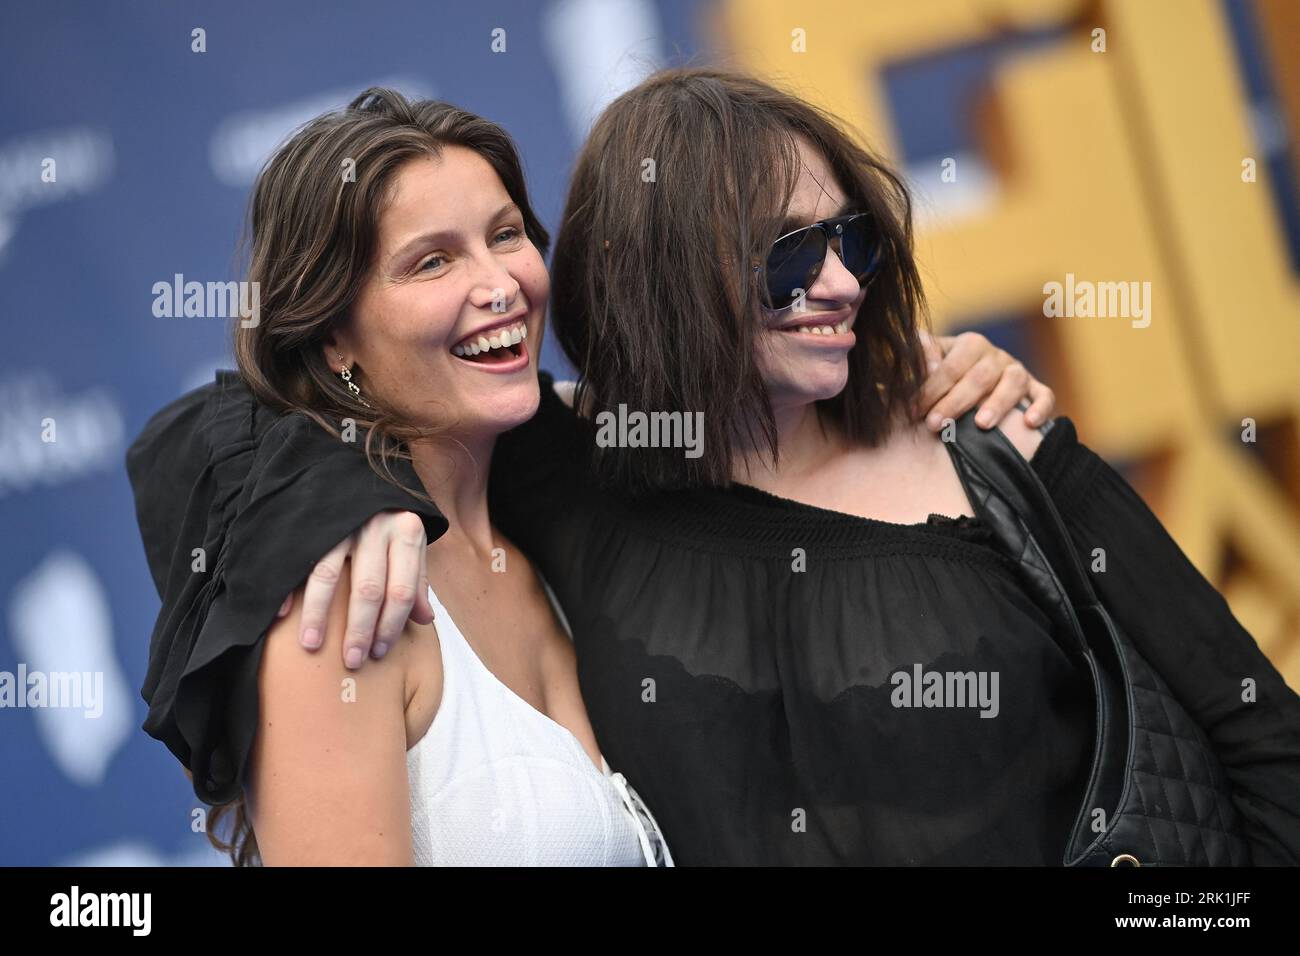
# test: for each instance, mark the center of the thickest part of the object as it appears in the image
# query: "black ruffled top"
(756, 707)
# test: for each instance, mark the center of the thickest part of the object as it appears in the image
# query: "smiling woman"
(714, 255)
(456, 268)
(403, 300)
(438, 206)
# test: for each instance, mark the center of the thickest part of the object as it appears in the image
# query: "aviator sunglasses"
(796, 258)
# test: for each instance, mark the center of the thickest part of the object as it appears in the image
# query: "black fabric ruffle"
(265, 495)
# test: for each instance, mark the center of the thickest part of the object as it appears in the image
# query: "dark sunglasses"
(795, 260)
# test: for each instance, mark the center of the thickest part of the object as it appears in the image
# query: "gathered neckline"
(933, 520)
(740, 519)
(604, 770)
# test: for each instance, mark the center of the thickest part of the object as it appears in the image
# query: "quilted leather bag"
(1163, 796)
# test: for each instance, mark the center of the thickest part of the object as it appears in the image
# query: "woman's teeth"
(820, 329)
(498, 339)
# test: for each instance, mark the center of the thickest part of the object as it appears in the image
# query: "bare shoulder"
(287, 667)
(1025, 439)
(334, 740)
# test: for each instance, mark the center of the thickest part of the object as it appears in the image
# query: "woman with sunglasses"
(796, 258)
(746, 619)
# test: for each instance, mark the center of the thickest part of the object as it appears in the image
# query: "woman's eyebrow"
(439, 235)
(420, 240)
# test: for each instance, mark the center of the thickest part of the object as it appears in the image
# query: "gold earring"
(346, 374)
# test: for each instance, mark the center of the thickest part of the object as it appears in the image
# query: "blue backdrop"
(130, 133)
(155, 147)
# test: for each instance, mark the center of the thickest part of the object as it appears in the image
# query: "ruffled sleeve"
(1184, 628)
(236, 503)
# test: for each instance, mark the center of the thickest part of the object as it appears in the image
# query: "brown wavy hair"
(313, 226)
(653, 288)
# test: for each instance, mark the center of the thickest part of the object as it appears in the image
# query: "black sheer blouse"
(744, 659)
(706, 657)
(758, 667)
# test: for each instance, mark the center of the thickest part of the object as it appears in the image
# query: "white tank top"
(495, 782)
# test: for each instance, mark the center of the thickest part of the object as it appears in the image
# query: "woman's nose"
(834, 283)
(494, 286)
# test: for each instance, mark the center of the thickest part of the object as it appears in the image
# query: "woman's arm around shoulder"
(327, 782)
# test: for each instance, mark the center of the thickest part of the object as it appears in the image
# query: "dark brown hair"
(314, 234)
(654, 292)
